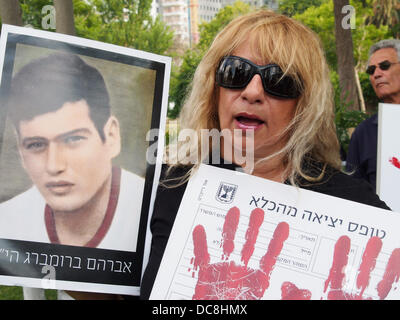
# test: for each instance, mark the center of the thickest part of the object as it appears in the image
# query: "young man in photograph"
(67, 139)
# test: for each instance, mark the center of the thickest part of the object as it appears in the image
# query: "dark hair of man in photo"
(46, 84)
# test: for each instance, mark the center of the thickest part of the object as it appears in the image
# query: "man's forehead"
(380, 55)
(69, 117)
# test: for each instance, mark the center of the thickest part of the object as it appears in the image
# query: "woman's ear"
(112, 136)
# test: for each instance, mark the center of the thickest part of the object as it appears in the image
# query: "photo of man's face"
(77, 188)
(65, 157)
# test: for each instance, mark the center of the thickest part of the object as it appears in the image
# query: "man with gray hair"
(384, 74)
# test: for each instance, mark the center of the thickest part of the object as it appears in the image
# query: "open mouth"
(247, 121)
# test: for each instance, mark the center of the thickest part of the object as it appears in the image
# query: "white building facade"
(184, 16)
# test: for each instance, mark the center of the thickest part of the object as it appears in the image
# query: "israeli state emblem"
(226, 192)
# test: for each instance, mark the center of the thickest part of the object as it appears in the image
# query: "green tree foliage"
(32, 12)
(156, 38)
(292, 7)
(386, 12)
(344, 118)
(321, 20)
(122, 22)
(209, 30)
(182, 78)
(126, 23)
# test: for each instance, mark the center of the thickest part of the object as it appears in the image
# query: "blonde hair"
(298, 51)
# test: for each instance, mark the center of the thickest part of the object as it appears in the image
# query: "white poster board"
(238, 236)
(388, 155)
(77, 145)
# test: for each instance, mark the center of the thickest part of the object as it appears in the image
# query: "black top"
(361, 155)
(168, 200)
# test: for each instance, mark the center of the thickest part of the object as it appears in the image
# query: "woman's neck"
(271, 169)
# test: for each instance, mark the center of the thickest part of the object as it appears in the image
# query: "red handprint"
(227, 280)
(395, 162)
(336, 276)
(291, 292)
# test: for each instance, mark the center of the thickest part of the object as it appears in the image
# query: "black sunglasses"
(384, 65)
(235, 73)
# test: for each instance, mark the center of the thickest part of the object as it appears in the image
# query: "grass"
(15, 293)
(11, 293)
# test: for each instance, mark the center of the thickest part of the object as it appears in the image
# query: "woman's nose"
(254, 91)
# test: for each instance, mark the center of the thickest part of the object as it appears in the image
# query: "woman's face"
(252, 109)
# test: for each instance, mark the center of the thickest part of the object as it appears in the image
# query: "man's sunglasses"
(236, 73)
(384, 65)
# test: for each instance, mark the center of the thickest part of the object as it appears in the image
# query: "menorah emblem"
(226, 192)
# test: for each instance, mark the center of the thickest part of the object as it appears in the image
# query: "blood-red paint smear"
(336, 273)
(226, 280)
(391, 275)
(268, 261)
(201, 255)
(368, 263)
(228, 233)
(395, 162)
(256, 219)
(291, 292)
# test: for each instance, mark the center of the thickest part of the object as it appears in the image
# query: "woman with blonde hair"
(265, 83)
